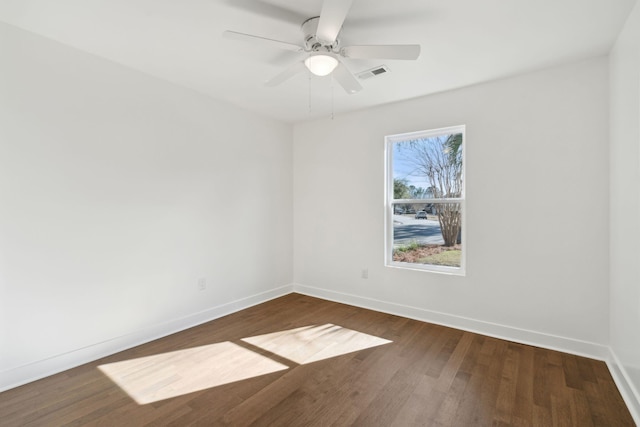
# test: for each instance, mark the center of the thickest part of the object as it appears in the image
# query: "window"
(425, 200)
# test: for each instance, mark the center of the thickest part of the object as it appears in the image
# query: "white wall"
(117, 193)
(625, 208)
(537, 192)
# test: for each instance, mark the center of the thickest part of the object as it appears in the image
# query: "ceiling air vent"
(374, 72)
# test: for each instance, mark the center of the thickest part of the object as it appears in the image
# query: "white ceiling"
(463, 42)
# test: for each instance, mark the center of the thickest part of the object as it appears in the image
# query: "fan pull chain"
(332, 97)
(309, 75)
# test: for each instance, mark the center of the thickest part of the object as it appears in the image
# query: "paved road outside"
(407, 229)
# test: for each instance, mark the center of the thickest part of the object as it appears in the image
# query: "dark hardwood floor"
(428, 375)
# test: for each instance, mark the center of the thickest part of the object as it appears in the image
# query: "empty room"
(321, 212)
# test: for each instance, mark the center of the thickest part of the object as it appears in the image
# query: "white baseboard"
(43, 368)
(627, 389)
(510, 333)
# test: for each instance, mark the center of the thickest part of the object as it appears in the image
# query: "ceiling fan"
(322, 47)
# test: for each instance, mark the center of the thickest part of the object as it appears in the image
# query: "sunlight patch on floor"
(162, 376)
(313, 343)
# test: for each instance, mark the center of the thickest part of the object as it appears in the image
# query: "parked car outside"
(421, 215)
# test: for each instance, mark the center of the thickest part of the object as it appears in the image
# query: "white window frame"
(390, 201)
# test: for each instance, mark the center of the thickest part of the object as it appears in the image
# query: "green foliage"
(453, 146)
(413, 245)
(401, 189)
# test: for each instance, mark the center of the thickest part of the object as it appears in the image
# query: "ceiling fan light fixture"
(321, 64)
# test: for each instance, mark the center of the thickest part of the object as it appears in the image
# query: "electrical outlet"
(365, 273)
(202, 284)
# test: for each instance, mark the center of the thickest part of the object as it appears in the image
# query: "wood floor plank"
(422, 406)
(482, 393)
(412, 374)
(505, 402)
(523, 408)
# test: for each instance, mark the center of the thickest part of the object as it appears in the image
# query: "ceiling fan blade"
(331, 18)
(233, 35)
(400, 51)
(344, 77)
(294, 69)
(264, 8)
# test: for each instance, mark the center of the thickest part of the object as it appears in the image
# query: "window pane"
(428, 168)
(427, 233)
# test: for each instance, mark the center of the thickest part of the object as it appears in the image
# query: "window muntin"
(425, 200)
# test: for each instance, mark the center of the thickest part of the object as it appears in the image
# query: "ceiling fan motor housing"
(311, 41)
